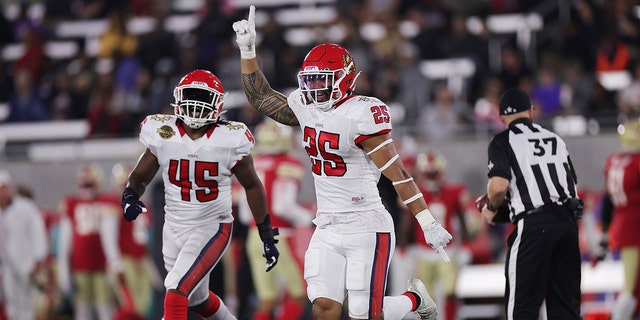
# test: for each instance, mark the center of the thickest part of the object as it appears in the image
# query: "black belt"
(573, 206)
(539, 209)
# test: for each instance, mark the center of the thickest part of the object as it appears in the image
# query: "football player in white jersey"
(347, 138)
(197, 153)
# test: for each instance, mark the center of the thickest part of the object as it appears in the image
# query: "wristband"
(490, 207)
(249, 53)
(425, 218)
(265, 230)
(129, 193)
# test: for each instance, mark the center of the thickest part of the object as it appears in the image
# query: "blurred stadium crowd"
(440, 64)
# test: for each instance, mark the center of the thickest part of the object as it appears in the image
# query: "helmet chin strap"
(194, 125)
(198, 125)
(353, 87)
(336, 84)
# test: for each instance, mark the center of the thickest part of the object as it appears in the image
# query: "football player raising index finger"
(348, 140)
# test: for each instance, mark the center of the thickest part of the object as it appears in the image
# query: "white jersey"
(23, 238)
(345, 177)
(196, 173)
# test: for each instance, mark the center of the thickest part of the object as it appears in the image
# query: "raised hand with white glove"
(246, 35)
(434, 233)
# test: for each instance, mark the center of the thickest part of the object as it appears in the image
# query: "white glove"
(246, 35)
(434, 233)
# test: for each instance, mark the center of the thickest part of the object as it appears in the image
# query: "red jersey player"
(622, 178)
(281, 174)
(81, 249)
(448, 203)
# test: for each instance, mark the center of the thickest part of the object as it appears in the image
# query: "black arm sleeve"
(498, 154)
(606, 212)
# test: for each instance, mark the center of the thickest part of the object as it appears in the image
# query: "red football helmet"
(199, 97)
(629, 134)
(89, 178)
(431, 167)
(328, 75)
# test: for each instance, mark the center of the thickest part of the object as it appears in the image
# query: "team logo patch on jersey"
(235, 126)
(356, 200)
(161, 118)
(166, 132)
(368, 99)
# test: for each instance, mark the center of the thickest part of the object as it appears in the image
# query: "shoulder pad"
(158, 127)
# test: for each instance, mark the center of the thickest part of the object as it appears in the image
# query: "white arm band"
(425, 218)
(395, 183)
(390, 162)
(384, 143)
(412, 199)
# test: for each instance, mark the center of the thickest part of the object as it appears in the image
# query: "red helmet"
(89, 178)
(333, 65)
(199, 97)
(89, 175)
(432, 165)
(431, 169)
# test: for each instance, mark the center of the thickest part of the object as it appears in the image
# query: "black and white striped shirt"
(537, 164)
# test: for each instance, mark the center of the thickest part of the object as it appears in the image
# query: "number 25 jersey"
(196, 173)
(345, 177)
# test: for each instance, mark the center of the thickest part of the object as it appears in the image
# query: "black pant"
(544, 263)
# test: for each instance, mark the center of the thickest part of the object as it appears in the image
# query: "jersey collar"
(210, 130)
(343, 101)
(520, 120)
(180, 128)
(182, 132)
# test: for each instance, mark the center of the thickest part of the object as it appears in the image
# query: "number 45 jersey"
(196, 173)
(345, 177)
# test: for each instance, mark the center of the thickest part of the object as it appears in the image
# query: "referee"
(530, 169)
